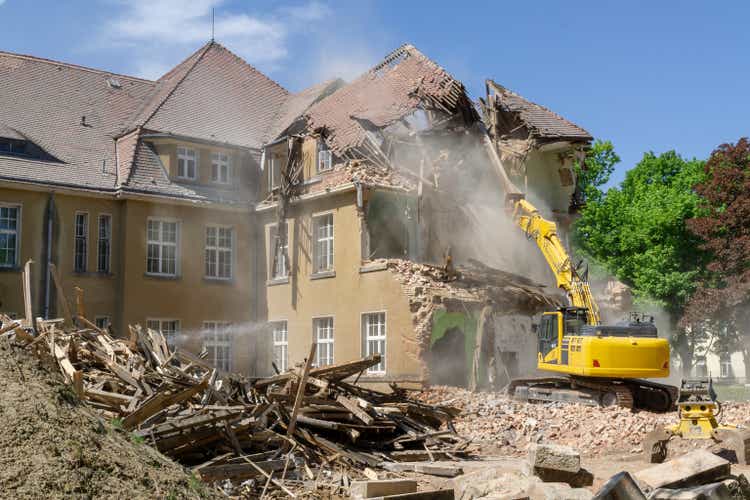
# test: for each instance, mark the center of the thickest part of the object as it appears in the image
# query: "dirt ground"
(52, 447)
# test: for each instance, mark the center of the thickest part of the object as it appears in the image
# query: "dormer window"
(12, 146)
(221, 168)
(187, 164)
(325, 159)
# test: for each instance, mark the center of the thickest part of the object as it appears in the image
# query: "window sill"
(92, 274)
(10, 269)
(277, 281)
(373, 268)
(312, 180)
(165, 277)
(219, 281)
(322, 275)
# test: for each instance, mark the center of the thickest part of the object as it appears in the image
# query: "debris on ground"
(305, 429)
(54, 446)
(497, 424)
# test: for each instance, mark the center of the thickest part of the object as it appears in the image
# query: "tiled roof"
(236, 103)
(296, 104)
(44, 101)
(541, 121)
(388, 92)
(211, 96)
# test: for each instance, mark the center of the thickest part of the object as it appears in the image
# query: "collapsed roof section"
(507, 114)
(405, 82)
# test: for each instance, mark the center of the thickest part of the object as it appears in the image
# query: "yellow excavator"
(598, 364)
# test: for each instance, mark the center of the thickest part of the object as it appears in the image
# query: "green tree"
(638, 233)
(596, 170)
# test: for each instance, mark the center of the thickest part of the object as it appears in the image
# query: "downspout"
(48, 258)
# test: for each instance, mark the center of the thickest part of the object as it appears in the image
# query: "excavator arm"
(544, 234)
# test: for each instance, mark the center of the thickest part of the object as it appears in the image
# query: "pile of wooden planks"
(272, 433)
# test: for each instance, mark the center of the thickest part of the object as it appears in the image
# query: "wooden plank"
(301, 390)
(78, 383)
(239, 472)
(65, 364)
(26, 283)
(158, 402)
(353, 407)
(60, 294)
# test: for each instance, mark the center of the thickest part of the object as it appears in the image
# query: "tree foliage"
(724, 295)
(596, 170)
(638, 231)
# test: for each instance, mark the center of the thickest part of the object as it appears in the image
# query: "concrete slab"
(695, 468)
(385, 487)
(714, 491)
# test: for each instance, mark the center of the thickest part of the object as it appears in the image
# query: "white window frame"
(221, 161)
(272, 231)
(107, 321)
(85, 238)
(211, 332)
(169, 336)
(16, 232)
(161, 244)
(325, 158)
(100, 240)
(217, 250)
(280, 340)
(319, 242)
(380, 368)
(325, 345)
(184, 154)
(725, 365)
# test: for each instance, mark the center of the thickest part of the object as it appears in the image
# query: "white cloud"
(176, 27)
(2, 2)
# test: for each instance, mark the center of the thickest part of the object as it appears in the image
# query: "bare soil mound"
(54, 447)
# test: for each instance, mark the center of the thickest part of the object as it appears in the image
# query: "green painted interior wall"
(442, 321)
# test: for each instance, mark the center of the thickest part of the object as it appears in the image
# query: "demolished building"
(385, 171)
(212, 201)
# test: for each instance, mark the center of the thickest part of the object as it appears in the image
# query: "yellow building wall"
(344, 296)
(190, 297)
(100, 289)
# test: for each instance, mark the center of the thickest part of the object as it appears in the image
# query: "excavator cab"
(556, 325)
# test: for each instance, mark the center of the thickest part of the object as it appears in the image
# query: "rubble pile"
(499, 424)
(305, 428)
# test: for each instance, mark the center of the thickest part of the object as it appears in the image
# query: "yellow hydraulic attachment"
(699, 410)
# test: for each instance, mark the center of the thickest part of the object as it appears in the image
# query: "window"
(168, 327)
(219, 243)
(102, 322)
(373, 333)
(218, 343)
(220, 168)
(279, 267)
(325, 159)
(81, 242)
(280, 345)
(105, 243)
(274, 171)
(162, 247)
(323, 336)
(323, 251)
(10, 224)
(12, 146)
(725, 365)
(187, 160)
(701, 369)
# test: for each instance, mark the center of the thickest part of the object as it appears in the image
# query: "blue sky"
(650, 76)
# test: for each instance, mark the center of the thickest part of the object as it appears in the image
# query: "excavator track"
(627, 393)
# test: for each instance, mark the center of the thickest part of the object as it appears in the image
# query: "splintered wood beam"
(26, 279)
(158, 402)
(301, 390)
(353, 407)
(60, 294)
